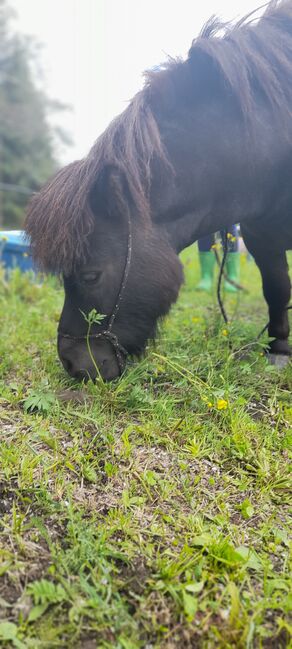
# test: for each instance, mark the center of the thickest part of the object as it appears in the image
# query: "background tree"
(27, 156)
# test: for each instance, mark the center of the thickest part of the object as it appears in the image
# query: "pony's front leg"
(277, 291)
(276, 287)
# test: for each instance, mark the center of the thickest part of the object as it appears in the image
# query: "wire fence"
(8, 187)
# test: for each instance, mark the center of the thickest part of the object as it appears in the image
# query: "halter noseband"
(120, 351)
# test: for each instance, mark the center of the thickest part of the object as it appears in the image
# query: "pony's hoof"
(279, 352)
(279, 360)
(279, 347)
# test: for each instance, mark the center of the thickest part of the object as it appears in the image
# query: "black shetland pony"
(206, 143)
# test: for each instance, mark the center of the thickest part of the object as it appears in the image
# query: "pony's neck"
(187, 228)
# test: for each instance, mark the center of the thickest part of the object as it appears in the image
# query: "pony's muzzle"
(84, 364)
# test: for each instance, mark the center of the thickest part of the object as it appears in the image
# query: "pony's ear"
(110, 194)
(99, 192)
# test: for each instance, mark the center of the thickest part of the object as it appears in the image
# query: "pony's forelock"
(59, 220)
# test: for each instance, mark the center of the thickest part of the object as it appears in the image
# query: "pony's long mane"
(254, 59)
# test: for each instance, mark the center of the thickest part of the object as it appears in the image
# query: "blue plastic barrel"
(14, 250)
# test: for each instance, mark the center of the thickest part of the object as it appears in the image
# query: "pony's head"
(91, 223)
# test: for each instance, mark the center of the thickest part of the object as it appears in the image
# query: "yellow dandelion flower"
(222, 404)
(210, 404)
(225, 332)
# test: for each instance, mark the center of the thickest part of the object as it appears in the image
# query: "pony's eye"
(90, 277)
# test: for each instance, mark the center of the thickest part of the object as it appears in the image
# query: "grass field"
(152, 512)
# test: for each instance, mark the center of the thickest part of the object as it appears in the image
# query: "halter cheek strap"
(108, 334)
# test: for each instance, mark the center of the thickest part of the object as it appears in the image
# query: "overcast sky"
(94, 51)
